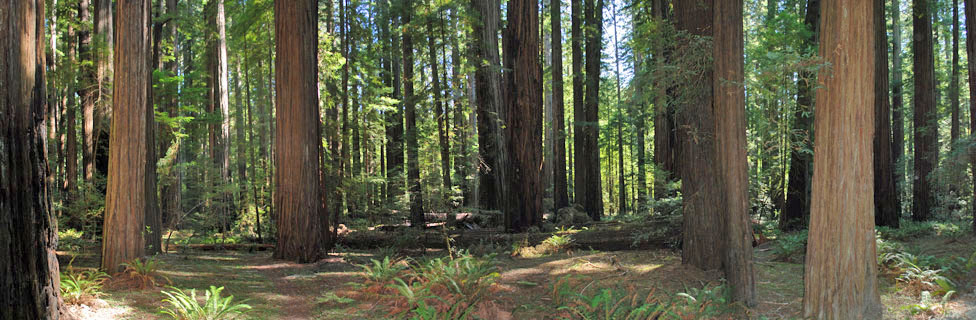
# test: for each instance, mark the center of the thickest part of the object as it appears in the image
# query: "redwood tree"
(971, 52)
(796, 212)
(410, 114)
(885, 193)
(589, 154)
(523, 121)
(560, 193)
(29, 287)
(925, 125)
(297, 140)
(484, 51)
(126, 201)
(841, 272)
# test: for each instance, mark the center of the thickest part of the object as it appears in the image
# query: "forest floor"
(526, 287)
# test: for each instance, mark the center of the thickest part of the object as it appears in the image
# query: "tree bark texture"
(488, 86)
(29, 278)
(415, 190)
(218, 105)
(523, 124)
(297, 140)
(971, 66)
(593, 197)
(580, 182)
(898, 95)
(841, 272)
(560, 187)
(126, 202)
(733, 166)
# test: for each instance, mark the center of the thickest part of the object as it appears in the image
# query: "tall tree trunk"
(88, 91)
(241, 142)
(410, 113)
(954, 78)
(523, 121)
(461, 163)
(171, 196)
(796, 211)
(620, 122)
(971, 67)
(394, 119)
(219, 105)
(126, 202)
(841, 273)
(580, 183)
(897, 99)
(489, 99)
(250, 147)
(730, 129)
(885, 194)
(30, 287)
(593, 199)
(926, 115)
(298, 143)
(665, 135)
(439, 113)
(560, 188)
(702, 244)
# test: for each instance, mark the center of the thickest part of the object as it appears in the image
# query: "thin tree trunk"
(126, 202)
(925, 125)
(394, 119)
(439, 113)
(560, 188)
(620, 122)
(30, 287)
(593, 199)
(885, 194)
(796, 211)
(841, 273)
(897, 100)
(580, 183)
(241, 142)
(410, 112)
(297, 182)
(88, 91)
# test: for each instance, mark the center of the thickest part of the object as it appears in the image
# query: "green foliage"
(918, 274)
(927, 305)
(80, 287)
(187, 307)
(382, 271)
(611, 304)
(145, 272)
(446, 288)
(71, 240)
(707, 302)
(559, 242)
(791, 247)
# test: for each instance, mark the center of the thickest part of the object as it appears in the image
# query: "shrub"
(144, 273)
(709, 302)
(917, 275)
(382, 271)
(448, 288)
(186, 307)
(81, 287)
(790, 247)
(612, 304)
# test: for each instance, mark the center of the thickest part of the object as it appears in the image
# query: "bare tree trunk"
(126, 203)
(925, 129)
(298, 143)
(730, 129)
(971, 67)
(841, 275)
(30, 287)
(580, 183)
(523, 124)
(593, 198)
(489, 99)
(410, 112)
(171, 197)
(560, 188)
(897, 100)
(885, 194)
(219, 104)
(439, 113)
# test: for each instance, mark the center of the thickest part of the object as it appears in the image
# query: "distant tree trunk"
(394, 118)
(841, 272)
(925, 123)
(439, 113)
(489, 102)
(897, 99)
(87, 90)
(462, 164)
(665, 135)
(298, 143)
(796, 211)
(702, 244)
(241, 142)
(523, 121)
(593, 198)
(954, 80)
(580, 183)
(885, 194)
(410, 112)
(620, 123)
(171, 197)
(218, 104)
(971, 66)
(29, 288)
(126, 202)
(560, 188)
(250, 148)
(730, 130)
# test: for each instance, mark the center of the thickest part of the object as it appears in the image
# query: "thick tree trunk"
(593, 198)
(885, 194)
(298, 143)
(560, 188)
(410, 113)
(730, 129)
(841, 272)
(489, 103)
(926, 115)
(523, 124)
(702, 244)
(796, 211)
(971, 66)
(29, 288)
(126, 202)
